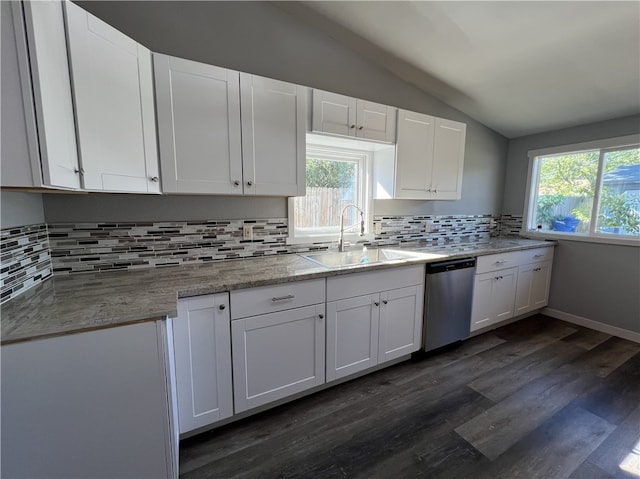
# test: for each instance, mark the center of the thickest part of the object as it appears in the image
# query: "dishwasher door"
(448, 296)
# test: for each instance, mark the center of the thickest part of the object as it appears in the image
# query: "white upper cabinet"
(225, 132)
(38, 130)
(429, 157)
(198, 109)
(342, 115)
(273, 136)
(113, 93)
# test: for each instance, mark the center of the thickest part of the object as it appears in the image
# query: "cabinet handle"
(155, 179)
(352, 126)
(321, 316)
(282, 298)
(538, 255)
(79, 171)
(498, 278)
(537, 269)
(360, 127)
(384, 301)
(222, 307)
(376, 303)
(236, 183)
(249, 183)
(502, 261)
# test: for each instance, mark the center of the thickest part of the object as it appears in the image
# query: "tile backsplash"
(31, 253)
(26, 259)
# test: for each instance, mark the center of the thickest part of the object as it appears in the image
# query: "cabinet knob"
(249, 183)
(236, 183)
(321, 316)
(222, 307)
(79, 171)
(376, 303)
(360, 127)
(155, 179)
(384, 301)
(352, 126)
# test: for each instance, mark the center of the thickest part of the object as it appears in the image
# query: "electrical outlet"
(247, 232)
(377, 228)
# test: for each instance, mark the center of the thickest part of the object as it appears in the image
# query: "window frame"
(364, 158)
(533, 175)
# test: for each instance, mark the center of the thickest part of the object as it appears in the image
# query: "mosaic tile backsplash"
(31, 253)
(26, 259)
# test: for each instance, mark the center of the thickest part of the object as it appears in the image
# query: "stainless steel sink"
(336, 259)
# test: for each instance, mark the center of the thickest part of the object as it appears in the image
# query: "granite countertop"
(84, 302)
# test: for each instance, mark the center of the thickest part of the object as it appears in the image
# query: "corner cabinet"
(429, 157)
(510, 284)
(345, 116)
(38, 129)
(278, 339)
(115, 115)
(226, 132)
(373, 317)
(202, 361)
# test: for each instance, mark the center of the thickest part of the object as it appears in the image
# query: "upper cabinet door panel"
(448, 159)
(414, 155)
(112, 80)
(333, 113)
(375, 121)
(199, 127)
(273, 136)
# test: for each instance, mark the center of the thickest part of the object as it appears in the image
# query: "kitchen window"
(589, 191)
(336, 177)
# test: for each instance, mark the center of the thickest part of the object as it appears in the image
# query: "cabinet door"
(202, 350)
(91, 404)
(503, 294)
(198, 127)
(493, 297)
(273, 136)
(276, 355)
(448, 159)
(38, 129)
(533, 287)
(375, 121)
(333, 113)
(113, 93)
(414, 155)
(352, 335)
(400, 322)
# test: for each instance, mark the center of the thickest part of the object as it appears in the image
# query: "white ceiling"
(518, 67)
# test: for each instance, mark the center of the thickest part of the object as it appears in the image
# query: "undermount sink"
(337, 259)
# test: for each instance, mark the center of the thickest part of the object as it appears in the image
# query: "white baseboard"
(589, 323)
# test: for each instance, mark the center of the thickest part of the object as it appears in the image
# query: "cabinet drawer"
(495, 262)
(279, 297)
(369, 282)
(537, 255)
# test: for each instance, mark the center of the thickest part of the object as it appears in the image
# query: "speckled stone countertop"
(84, 302)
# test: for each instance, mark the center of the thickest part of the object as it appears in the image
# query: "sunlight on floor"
(631, 463)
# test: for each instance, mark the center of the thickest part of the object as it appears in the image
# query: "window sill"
(551, 235)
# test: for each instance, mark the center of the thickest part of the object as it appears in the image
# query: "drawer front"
(495, 262)
(370, 282)
(537, 255)
(279, 297)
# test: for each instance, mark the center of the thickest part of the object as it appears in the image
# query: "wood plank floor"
(539, 398)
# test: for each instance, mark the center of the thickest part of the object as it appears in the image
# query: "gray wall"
(596, 281)
(20, 209)
(258, 37)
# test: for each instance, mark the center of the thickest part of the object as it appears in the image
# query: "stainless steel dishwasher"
(447, 310)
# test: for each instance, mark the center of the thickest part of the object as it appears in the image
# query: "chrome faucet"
(341, 238)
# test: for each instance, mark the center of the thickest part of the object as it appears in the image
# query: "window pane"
(565, 192)
(619, 210)
(331, 185)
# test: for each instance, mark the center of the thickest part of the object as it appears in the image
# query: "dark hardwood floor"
(539, 398)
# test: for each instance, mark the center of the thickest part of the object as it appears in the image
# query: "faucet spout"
(341, 238)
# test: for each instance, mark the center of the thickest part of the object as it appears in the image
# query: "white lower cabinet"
(382, 324)
(202, 355)
(510, 284)
(280, 353)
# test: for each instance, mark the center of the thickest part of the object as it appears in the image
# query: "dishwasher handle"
(445, 266)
